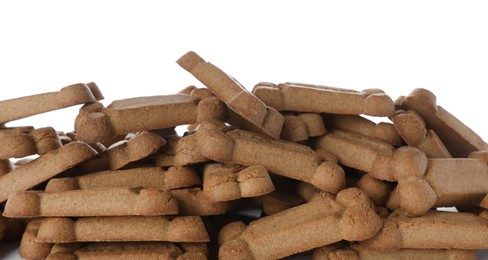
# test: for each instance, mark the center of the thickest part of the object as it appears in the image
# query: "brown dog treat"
(325, 221)
(192, 202)
(459, 139)
(5, 166)
(279, 200)
(411, 127)
(45, 167)
(183, 151)
(384, 132)
(235, 96)
(321, 99)
(136, 148)
(302, 126)
(32, 105)
(96, 123)
(17, 144)
(280, 157)
(91, 202)
(433, 230)
(166, 156)
(377, 191)
(231, 182)
(115, 229)
(29, 247)
(146, 177)
(483, 155)
(336, 251)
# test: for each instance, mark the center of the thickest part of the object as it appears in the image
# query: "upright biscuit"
(136, 148)
(231, 182)
(96, 123)
(411, 127)
(91, 202)
(120, 229)
(459, 139)
(36, 104)
(301, 126)
(321, 99)
(433, 230)
(243, 103)
(146, 177)
(280, 157)
(29, 247)
(384, 132)
(15, 144)
(44, 167)
(192, 202)
(324, 221)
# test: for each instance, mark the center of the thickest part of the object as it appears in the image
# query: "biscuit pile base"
(284, 169)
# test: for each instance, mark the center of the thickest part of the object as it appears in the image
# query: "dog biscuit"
(459, 139)
(321, 222)
(72, 95)
(282, 198)
(5, 166)
(483, 155)
(121, 229)
(146, 177)
(231, 182)
(96, 123)
(29, 248)
(433, 230)
(383, 132)
(377, 190)
(165, 157)
(91, 202)
(280, 157)
(183, 153)
(301, 126)
(411, 127)
(136, 148)
(301, 97)
(44, 168)
(21, 144)
(243, 103)
(192, 202)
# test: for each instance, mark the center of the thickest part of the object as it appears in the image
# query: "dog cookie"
(483, 155)
(91, 202)
(96, 123)
(21, 144)
(192, 202)
(411, 127)
(122, 229)
(5, 166)
(243, 103)
(136, 148)
(183, 153)
(433, 230)
(377, 190)
(145, 177)
(282, 198)
(383, 132)
(459, 139)
(301, 97)
(325, 221)
(72, 95)
(166, 155)
(29, 248)
(284, 158)
(301, 126)
(231, 182)
(44, 168)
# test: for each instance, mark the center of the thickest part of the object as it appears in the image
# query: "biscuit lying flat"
(29, 248)
(32, 105)
(115, 229)
(91, 202)
(321, 99)
(301, 126)
(45, 167)
(243, 103)
(17, 144)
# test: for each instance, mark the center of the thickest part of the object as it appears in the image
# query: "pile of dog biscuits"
(286, 169)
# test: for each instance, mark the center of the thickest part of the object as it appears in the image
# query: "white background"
(130, 48)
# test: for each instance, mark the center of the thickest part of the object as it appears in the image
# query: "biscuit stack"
(289, 168)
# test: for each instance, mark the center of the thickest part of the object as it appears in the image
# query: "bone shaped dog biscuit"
(17, 144)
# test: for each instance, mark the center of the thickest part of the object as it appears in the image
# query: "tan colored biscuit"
(321, 99)
(166, 156)
(29, 247)
(318, 223)
(243, 103)
(115, 229)
(136, 148)
(96, 123)
(459, 139)
(91, 202)
(384, 132)
(301, 126)
(45, 167)
(32, 105)
(280, 157)
(231, 182)
(411, 127)
(21, 144)
(483, 155)
(192, 202)
(5, 166)
(279, 200)
(336, 251)
(146, 177)
(433, 230)
(184, 153)
(377, 191)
